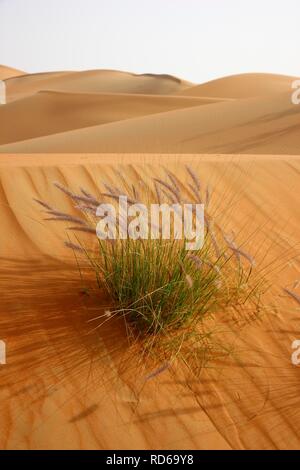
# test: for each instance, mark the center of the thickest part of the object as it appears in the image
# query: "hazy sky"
(193, 39)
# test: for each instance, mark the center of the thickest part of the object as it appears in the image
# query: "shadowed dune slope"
(49, 112)
(247, 85)
(95, 81)
(269, 125)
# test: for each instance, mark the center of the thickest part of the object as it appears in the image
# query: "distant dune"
(95, 81)
(9, 72)
(110, 111)
(249, 85)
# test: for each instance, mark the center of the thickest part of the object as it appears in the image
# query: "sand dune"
(56, 112)
(63, 386)
(94, 81)
(258, 125)
(9, 72)
(110, 111)
(249, 85)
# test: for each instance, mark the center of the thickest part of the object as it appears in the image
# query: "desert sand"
(62, 386)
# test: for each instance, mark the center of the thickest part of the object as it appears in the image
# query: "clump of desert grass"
(175, 304)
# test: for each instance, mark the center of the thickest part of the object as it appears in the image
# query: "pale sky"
(197, 40)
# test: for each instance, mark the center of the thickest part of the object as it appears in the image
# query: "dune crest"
(95, 81)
